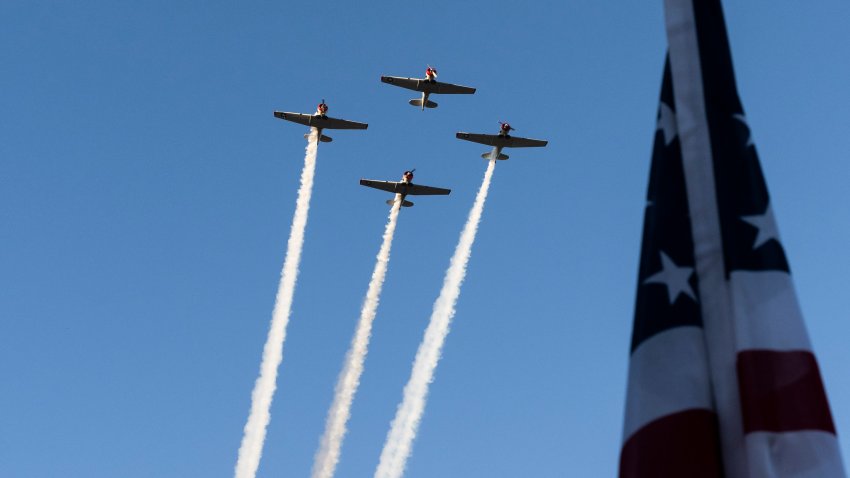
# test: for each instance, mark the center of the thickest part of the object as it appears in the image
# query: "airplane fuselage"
(502, 139)
(428, 85)
(402, 186)
(316, 122)
(497, 151)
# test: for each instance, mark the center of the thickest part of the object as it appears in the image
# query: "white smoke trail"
(403, 430)
(261, 398)
(327, 456)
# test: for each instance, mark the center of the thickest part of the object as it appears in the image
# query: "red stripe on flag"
(681, 444)
(781, 392)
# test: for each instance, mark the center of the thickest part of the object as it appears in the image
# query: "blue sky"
(146, 195)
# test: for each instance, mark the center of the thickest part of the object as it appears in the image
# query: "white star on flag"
(666, 123)
(765, 224)
(674, 277)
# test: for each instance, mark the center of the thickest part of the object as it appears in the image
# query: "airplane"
(320, 120)
(501, 140)
(403, 188)
(429, 85)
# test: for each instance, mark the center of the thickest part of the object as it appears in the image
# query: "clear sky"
(146, 194)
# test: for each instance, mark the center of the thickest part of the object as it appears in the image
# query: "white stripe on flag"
(768, 315)
(668, 373)
(802, 454)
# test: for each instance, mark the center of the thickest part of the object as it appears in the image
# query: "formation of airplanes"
(427, 86)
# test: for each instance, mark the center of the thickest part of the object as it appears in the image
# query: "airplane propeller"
(510, 128)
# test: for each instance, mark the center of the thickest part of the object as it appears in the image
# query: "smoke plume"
(404, 426)
(327, 456)
(261, 398)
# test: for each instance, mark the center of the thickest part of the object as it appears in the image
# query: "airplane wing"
(496, 140)
(401, 188)
(414, 84)
(335, 123)
(299, 118)
(517, 142)
(488, 139)
(417, 84)
(419, 190)
(382, 185)
(450, 89)
(323, 122)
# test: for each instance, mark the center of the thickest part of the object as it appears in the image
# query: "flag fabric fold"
(723, 380)
(670, 426)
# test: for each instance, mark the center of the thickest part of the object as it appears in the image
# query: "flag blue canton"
(666, 231)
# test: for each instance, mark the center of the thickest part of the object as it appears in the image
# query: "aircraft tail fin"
(418, 103)
(489, 155)
(322, 138)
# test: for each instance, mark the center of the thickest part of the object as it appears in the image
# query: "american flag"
(722, 377)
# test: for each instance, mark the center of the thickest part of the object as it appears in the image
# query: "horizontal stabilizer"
(418, 102)
(405, 203)
(323, 138)
(489, 155)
